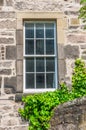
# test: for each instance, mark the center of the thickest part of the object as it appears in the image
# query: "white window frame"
(36, 90)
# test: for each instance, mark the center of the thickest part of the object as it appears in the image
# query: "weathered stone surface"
(83, 46)
(11, 52)
(8, 24)
(71, 51)
(60, 51)
(19, 84)
(6, 40)
(5, 71)
(6, 64)
(19, 36)
(70, 116)
(74, 22)
(19, 67)
(74, 38)
(83, 57)
(7, 15)
(61, 69)
(19, 51)
(10, 84)
(1, 2)
(9, 2)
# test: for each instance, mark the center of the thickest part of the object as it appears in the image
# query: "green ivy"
(38, 108)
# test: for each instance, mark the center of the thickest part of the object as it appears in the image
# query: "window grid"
(44, 55)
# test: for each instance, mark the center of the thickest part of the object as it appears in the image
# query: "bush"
(79, 76)
(38, 108)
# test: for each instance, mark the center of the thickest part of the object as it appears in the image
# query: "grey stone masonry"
(9, 116)
(70, 116)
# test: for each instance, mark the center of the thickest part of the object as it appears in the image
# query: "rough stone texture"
(71, 51)
(9, 117)
(19, 36)
(11, 52)
(6, 40)
(8, 24)
(5, 71)
(10, 85)
(19, 52)
(1, 2)
(7, 15)
(70, 116)
(73, 38)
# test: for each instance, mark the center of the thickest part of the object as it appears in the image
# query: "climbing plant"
(38, 108)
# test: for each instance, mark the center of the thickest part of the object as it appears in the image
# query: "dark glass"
(49, 25)
(49, 33)
(40, 82)
(39, 25)
(29, 81)
(50, 80)
(39, 64)
(50, 64)
(30, 65)
(29, 25)
(39, 46)
(29, 47)
(50, 47)
(29, 33)
(40, 33)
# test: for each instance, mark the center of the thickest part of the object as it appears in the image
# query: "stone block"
(71, 51)
(6, 64)
(19, 84)
(6, 40)
(61, 70)
(10, 84)
(9, 2)
(5, 71)
(60, 51)
(11, 52)
(19, 51)
(21, 128)
(8, 24)
(74, 22)
(19, 67)
(7, 15)
(83, 57)
(83, 46)
(1, 2)
(19, 36)
(76, 38)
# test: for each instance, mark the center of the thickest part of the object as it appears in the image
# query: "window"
(40, 56)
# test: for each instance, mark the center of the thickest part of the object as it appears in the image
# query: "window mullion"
(45, 54)
(34, 55)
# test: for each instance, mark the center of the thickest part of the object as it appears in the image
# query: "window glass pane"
(29, 25)
(50, 80)
(49, 33)
(40, 83)
(39, 64)
(29, 47)
(40, 33)
(50, 64)
(39, 46)
(50, 47)
(29, 81)
(30, 65)
(49, 25)
(39, 25)
(29, 33)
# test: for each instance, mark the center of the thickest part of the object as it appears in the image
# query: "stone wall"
(70, 116)
(11, 39)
